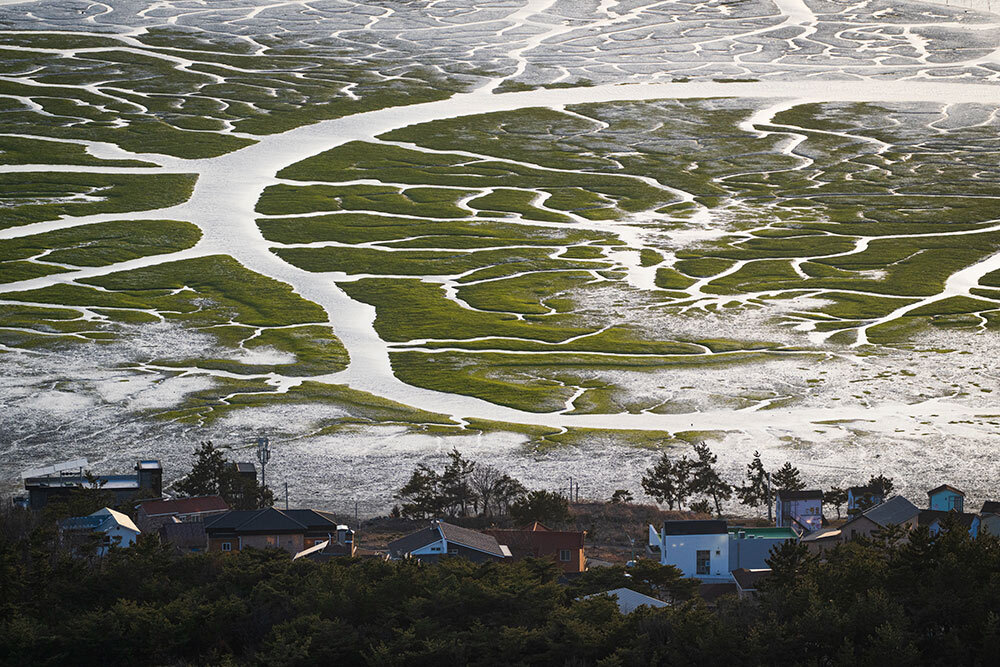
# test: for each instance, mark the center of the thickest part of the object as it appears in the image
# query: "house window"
(704, 562)
(452, 551)
(564, 555)
(227, 546)
(272, 540)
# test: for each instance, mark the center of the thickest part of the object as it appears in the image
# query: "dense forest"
(926, 601)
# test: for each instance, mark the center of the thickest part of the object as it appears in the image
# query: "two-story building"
(565, 547)
(710, 550)
(861, 498)
(946, 498)
(802, 511)
(291, 530)
(59, 481)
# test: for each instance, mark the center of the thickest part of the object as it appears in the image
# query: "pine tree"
(207, 474)
(421, 495)
(788, 478)
(706, 479)
(881, 485)
(758, 489)
(456, 489)
(836, 497)
(668, 481)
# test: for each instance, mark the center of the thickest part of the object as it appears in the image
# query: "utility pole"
(263, 455)
(286, 495)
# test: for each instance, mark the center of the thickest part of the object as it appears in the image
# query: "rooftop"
(184, 505)
(897, 510)
(748, 580)
(811, 494)
(764, 533)
(629, 600)
(945, 487)
(696, 527)
(990, 507)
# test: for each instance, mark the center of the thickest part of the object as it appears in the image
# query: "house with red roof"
(152, 514)
(565, 547)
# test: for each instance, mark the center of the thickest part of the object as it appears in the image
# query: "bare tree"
(485, 482)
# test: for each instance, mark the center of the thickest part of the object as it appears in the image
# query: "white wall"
(682, 552)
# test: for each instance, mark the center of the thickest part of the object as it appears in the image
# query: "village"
(481, 515)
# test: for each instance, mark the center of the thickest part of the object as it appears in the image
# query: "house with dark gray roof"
(897, 511)
(270, 528)
(441, 540)
(938, 520)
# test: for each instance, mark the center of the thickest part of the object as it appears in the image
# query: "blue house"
(945, 498)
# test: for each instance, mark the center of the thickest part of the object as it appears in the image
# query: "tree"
(668, 481)
(701, 506)
(757, 490)
(212, 474)
(543, 506)
(508, 491)
(790, 563)
(788, 478)
(456, 491)
(622, 496)
(421, 495)
(836, 497)
(881, 485)
(207, 472)
(706, 479)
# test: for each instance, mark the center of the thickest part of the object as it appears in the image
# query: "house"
(629, 600)
(989, 518)
(820, 540)
(709, 550)
(536, 541)
(698, 548)
(747, 580)
(945, 498)
(440, 540)
(112, 527)
(152, 514)
(184, 536)
(861, 498)
(60, 480)
(896, 511)
(935, 520)
(271, 528)
(802, 511)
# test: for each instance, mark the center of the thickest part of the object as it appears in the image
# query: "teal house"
(945, 498)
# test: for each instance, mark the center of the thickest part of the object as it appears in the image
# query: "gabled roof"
(945, 487)
(897, 510)
(413, 541)
(272, 520)
(629, 600)
(471, 539)
(104, 519)
(928, 517)
(697, 527)
(811, 494)
(821, 534)
(749, 579)
(184, 506)
(990, 507)
(245, 467)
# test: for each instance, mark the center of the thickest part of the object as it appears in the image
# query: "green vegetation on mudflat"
(34, 197)
(25, 150)
(409, 309)
(417, 262)
(285, 199)
(528, 294)
(410, 233)
(250, 316)
(516, 201)
(98, 244)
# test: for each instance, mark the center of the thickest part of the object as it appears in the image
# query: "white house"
(116, 529)
(802, 511)
(710, 550)
(699, 549)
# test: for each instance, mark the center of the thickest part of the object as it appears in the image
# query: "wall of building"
(290, 543)
(947, 500)
(751, 553)
(681, 551)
